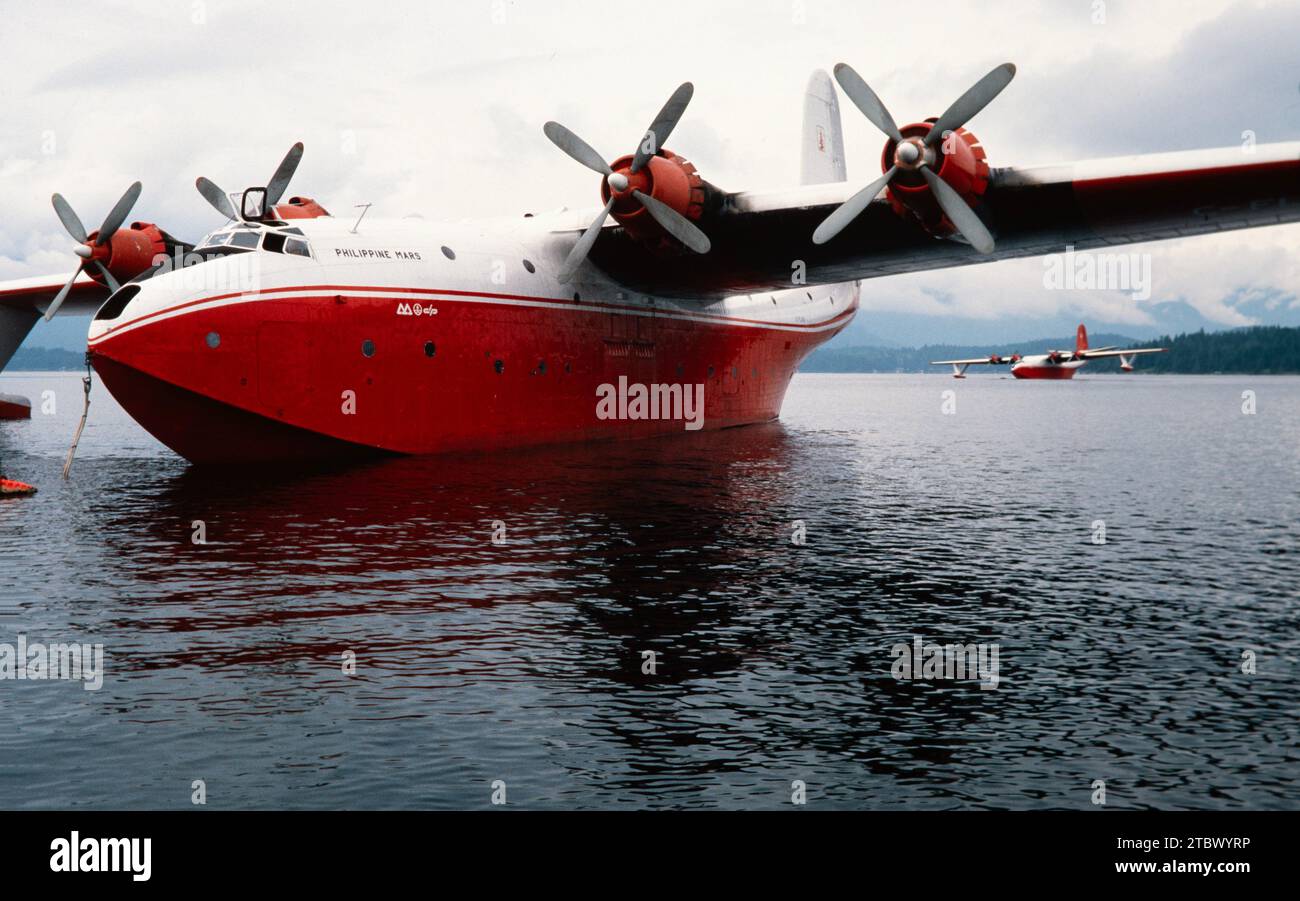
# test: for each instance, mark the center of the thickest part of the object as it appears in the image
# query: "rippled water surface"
(523, 661)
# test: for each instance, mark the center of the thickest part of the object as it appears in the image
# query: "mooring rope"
(85, 411)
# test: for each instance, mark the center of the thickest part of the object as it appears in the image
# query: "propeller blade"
(275, 188)
(69, 218)
(576, 148)
(657, 135)
(108, 276)
(962, 216)
(866, 100)
(217, 197)
(117, 215)
(63, 293)
(580, 250)
(968, 105)
(851, 208)
(675, 223)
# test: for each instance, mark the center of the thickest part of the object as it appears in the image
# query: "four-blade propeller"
(275, 188)
(913, 154)
(88, 252)
(673, 222)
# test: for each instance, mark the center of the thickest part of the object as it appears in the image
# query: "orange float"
(10, 488)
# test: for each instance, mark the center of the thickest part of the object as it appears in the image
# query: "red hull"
(290, 378)
(1043, 372)
(15, 407)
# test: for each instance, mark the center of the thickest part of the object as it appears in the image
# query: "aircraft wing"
(991, 361)
(1099, 354)
(762, 241)
(35, 294)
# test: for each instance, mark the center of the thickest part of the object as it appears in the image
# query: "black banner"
(335, 849)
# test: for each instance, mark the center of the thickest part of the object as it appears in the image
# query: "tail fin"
(823, 138)
(1081, 338)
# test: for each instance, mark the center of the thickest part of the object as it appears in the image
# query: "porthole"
(710, 372)
(368, 348)
(528, 264)
(541, 367)
(429, 349)
(213, 340)
(499, 366)
(448, 253)
(577, 298)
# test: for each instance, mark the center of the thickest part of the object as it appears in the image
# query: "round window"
(368, 348)
(213, 340)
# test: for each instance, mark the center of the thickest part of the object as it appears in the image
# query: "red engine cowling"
(300, 208)
(959, 160)
(666, 177)
(129, 252)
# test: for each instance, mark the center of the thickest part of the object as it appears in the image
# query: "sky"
(437, 108)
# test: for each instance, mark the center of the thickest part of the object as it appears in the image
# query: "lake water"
(524, 660)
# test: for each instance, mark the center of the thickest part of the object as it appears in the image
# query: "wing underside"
(761, 240)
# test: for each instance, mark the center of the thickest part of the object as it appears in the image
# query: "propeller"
(673, 222)
(275, 188)
(89, 252)
(912, 154)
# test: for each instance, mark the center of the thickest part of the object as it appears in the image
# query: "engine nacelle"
(300, 208)
(666, 177)
(129, 252)
(959, 159)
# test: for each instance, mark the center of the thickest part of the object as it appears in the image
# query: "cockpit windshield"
(247, 236)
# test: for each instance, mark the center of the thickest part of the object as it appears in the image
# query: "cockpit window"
(249, 236)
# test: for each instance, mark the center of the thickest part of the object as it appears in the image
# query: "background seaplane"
(288, 334)
(1055, 364)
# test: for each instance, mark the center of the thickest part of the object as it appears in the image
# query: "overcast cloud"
(437, 108)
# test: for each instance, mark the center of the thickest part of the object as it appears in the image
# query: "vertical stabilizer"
(823, 138)
(1081, 338)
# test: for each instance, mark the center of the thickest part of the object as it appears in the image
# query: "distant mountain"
(1258, 350)
(872, 328)
(44, 359)
(917, 359)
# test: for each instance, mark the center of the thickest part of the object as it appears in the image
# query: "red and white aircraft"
(1055, 364)
(297, 335)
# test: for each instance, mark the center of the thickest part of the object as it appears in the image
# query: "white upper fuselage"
(486, 260)
(1043, 361)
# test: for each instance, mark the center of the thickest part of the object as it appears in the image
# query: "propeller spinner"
(918, 154)
(92, 249)
(623, 183)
